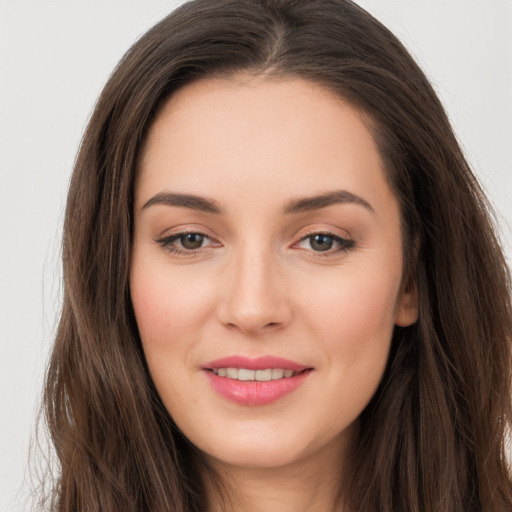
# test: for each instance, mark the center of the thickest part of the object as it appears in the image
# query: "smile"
(255, 382)
(247, 375)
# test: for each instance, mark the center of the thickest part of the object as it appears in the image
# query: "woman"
(282, 287)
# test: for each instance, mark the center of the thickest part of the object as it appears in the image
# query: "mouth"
(259, 381)
(247, 375)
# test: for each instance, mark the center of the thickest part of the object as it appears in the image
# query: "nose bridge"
(255, 297)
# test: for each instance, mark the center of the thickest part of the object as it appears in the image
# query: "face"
(266, 269)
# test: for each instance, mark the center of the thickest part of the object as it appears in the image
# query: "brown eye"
(191, 241)
(185, 243)
(327, 243)
(321, 242)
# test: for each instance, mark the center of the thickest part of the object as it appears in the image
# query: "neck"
(311, 484)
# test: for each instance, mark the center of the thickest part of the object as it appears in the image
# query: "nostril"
(272, 326)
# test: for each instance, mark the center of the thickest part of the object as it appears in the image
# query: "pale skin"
(265, 271)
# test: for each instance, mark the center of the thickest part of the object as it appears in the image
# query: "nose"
(255, 298)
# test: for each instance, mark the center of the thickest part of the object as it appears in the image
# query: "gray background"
(54, 58)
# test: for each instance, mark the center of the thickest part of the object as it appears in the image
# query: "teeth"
(232, 373)
(277, 373)
(263, 375)
(244, 374)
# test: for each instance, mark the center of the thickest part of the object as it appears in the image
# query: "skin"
(258, 285)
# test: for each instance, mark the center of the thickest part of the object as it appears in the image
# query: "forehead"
(291, 137)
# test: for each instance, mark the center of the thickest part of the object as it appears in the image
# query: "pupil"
(192, 241)
(321, 242)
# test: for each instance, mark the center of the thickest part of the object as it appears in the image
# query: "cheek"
(168, 311)
(156, 309)
(362, 303)
(355, 322)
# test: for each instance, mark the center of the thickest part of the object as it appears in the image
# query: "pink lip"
(259, 363)
(255, 392)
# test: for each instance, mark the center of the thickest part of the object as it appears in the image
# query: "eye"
(325, 243)
(321, 242)
(192, 241)
(185, 243)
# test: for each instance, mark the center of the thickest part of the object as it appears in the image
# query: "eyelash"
(168, 241)
(344, 244)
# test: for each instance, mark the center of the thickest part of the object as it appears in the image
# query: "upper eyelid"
(326, 233)
(180, 231)
(298, 235)
(305, 234)
(175, 236)
(337, 233)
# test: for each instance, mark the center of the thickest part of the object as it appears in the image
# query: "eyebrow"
(304, 204)
(184, 200)
(324, 200)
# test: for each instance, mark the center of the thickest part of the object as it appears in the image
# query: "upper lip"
(258, 363)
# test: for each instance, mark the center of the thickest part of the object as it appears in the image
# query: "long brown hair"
(433, 438)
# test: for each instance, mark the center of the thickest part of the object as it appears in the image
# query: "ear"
(407, 305)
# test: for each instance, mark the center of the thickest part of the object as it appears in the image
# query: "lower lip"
(256, 392)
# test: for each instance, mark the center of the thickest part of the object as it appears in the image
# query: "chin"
(272, 449)
(254, 458)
